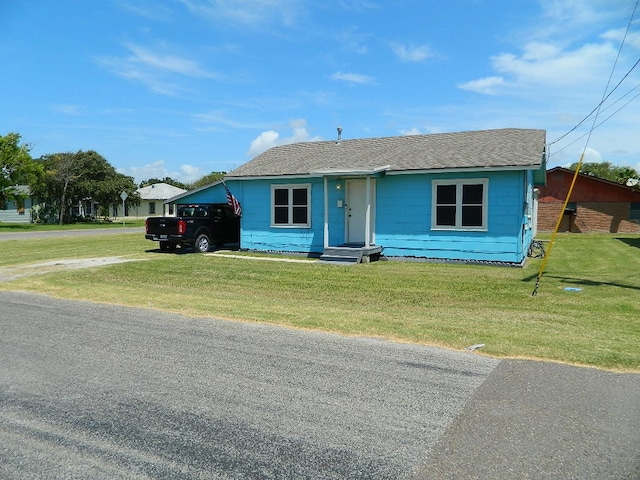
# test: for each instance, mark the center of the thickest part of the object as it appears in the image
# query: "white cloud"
(216, 120)
(151, 170)
(158, 70)
(149, 10)
(556, 73)
(357, 5)
(544, 66)
(189, 173)
(352, 40)
(569, 46)
(487, 85)
(264, 142)
(354, 78)
(547, 65)
(68, 109)
(592, 156)
(631, 38)
(158, 169)
(271, 138)
(247, 12)
(412, 53)
(411, 131)
(566, 17)
(165, 62)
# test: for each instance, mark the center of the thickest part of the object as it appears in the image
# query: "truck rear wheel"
(201, 244)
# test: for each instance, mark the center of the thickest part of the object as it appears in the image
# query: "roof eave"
(271, 177)
(344, 172)
(510, 168)
(387, 169)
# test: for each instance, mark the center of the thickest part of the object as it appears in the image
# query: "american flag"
(233, 202)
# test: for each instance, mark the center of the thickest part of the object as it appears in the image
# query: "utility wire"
(575, 175)
(597, 108)
(606, 119)
(605, 97)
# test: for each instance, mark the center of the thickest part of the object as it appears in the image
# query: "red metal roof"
(586, 188)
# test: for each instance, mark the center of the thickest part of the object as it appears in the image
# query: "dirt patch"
(11, 273)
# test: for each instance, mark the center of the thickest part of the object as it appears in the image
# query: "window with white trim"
(459, 204)
(290, 205)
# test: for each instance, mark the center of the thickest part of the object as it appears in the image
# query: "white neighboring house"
(152, 201)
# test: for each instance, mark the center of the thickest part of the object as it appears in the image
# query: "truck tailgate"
(162, 226)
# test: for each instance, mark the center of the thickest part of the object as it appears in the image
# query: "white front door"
(356, 211)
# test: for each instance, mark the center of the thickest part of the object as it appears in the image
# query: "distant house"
(466, 196)
(154, 200)
(20, 209)
(595, 205)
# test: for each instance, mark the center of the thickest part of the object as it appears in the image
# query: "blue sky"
(182, 88)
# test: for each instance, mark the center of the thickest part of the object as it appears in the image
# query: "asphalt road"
(105, 392)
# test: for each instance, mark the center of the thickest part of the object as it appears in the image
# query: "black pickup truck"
(198, 226)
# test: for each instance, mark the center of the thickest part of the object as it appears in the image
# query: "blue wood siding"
(213, 194)
(402, 220)
(256, 232)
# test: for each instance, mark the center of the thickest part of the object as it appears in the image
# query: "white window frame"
(459, 206)
(290, 188)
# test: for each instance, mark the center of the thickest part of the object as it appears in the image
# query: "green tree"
(607, 171)
(17, 167)
(70, 178)
(207, 179)
(167, 180)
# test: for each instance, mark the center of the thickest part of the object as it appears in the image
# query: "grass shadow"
(632, 242)
(592, 283)
(580, 281)
(177, 251)
(9, 227)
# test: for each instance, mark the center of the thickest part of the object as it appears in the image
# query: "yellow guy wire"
(555, 231)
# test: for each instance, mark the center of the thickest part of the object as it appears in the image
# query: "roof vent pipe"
(339, 134)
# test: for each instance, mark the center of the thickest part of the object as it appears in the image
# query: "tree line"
(606, 171)
(61, 181)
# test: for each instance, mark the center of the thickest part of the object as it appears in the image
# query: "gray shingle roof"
(503, 148)
(159, 191)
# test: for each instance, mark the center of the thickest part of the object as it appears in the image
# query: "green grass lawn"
(438, 304)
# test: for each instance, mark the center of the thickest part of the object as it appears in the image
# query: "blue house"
(466, 196)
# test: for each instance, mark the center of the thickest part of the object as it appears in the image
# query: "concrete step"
(340, 259)
(343, 252)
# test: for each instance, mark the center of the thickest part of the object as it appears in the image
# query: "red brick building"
(595, 206)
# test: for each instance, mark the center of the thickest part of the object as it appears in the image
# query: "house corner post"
(367, 221)
(326, 213)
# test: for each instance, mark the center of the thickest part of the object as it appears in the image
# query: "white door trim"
(360, 211)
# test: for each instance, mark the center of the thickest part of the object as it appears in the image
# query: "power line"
(606, 119)
(607, 95)
(575, 175)
(601, 102)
